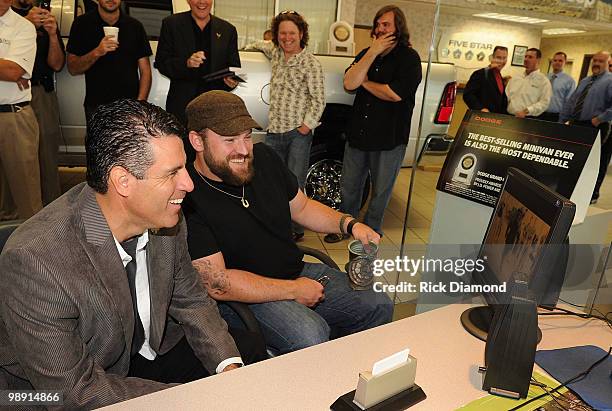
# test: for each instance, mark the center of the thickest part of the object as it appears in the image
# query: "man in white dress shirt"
(19, 172)
(529, 93)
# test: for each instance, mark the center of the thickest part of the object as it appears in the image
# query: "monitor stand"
(477, 320)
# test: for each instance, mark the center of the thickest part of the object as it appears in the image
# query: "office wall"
(419, 16)
(575, 47)
(483, 31)
(347, 11)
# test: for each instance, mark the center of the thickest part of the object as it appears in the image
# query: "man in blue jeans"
(386, 76)
(240, 240)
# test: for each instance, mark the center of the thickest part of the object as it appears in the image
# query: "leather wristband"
(349, 227)
(342, 220)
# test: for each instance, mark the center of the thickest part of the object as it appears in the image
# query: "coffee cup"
(356, 249)
(359, 269)
(111, 31)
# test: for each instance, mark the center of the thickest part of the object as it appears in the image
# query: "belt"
(13, 108)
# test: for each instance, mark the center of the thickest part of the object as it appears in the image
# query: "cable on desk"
(609, 313)
(603, 317)
(570, 403)
(570, 381)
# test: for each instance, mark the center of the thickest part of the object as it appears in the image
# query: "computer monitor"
(526, 240)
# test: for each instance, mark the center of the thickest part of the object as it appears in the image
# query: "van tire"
(323, 176)
(323, 183)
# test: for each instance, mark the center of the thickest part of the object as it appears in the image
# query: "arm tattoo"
(215, 279)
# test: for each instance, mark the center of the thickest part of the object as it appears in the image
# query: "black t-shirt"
(383, 125)
(42, 73)
(256, 239)
(114, 75)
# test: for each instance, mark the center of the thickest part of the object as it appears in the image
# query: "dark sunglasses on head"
(295, 13)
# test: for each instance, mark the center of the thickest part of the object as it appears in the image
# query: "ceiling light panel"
(562, 31)
(510, 17)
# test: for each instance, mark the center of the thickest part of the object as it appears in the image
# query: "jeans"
(294, 149)
(383, 167)
(288, 325)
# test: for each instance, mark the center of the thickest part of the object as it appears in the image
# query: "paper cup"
(111, 31)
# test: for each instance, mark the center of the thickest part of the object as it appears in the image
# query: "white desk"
(312, 379)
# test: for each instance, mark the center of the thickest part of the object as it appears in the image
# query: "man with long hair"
(385, 76)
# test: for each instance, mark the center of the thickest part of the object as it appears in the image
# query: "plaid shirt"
(297, 91)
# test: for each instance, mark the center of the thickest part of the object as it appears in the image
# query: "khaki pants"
(20, 174)
(46, 108)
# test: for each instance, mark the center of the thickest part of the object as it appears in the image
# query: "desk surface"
(312, 379)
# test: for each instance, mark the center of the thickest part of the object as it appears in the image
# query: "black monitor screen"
(521, 231)
(524, 237)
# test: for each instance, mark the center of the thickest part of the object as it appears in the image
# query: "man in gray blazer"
(68, 279)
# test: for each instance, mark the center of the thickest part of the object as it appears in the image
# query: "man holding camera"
(50, 58)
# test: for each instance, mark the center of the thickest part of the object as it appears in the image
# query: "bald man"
(591, 106)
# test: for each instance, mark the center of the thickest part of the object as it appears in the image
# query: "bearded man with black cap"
(240, 238)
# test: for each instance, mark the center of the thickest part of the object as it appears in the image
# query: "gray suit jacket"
(66, 311)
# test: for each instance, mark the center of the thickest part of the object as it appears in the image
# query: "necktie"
(580, 101)
(552, 80)
(138, 339)
(498, 80)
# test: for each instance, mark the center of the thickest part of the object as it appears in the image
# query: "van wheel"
(323, 183)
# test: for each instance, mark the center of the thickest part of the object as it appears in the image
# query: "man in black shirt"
(386, 76)
(50, 58)
(240, 238)
(114, 68)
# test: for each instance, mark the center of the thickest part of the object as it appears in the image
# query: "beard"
(107, 9)
(223, 170)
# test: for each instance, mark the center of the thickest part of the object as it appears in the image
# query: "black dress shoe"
(335, 238)
(297, 236)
